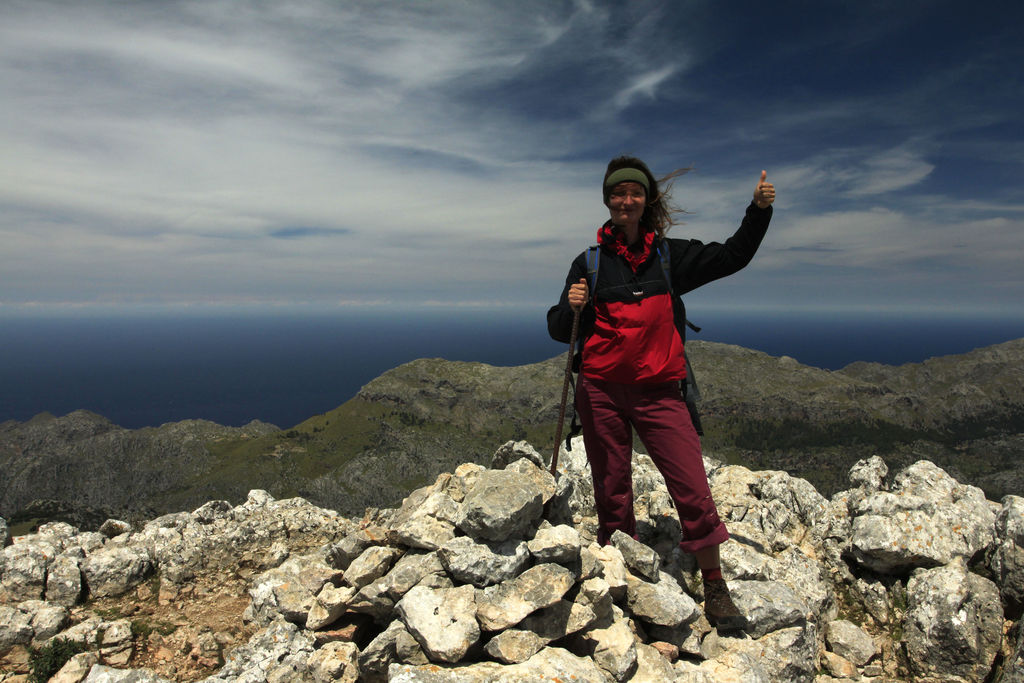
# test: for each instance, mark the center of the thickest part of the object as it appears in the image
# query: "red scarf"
(611, 236)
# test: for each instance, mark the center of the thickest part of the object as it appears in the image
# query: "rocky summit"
(493, 574)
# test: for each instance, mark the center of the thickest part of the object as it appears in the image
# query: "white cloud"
(887, 172)
(644, 85)
(445, 150)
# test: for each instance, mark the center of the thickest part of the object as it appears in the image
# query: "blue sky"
(300, 155)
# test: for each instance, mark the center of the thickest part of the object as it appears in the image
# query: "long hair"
(659, 212)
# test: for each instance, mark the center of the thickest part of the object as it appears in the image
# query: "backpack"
(688, 387)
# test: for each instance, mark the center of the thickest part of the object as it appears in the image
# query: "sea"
(146, 369)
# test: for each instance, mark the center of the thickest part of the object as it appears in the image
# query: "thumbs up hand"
(764, 193)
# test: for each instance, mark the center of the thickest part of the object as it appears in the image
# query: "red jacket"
(634, 326)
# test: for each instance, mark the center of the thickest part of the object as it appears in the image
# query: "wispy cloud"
(211, 151)
(645, 85)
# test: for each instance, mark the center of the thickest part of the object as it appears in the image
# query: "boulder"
(443, 622)
(927, 520)
(113, 571)
(335, 662)
(559, 544)
(1006, 556)
(500, 505)
(662, 603)
(850, 642)
(769, 606)
(23, 568)
(512, 451)
(372, 563)
(954, 622)
(508, 603)
(550, 664)
(637, 556)
(483, 563)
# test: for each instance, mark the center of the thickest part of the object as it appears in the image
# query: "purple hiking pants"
(658, 412)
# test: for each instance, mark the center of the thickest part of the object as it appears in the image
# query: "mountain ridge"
(963, 412)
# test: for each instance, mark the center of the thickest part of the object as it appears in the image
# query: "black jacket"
(693, 264)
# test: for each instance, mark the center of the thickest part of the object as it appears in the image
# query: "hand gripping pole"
(565, 389)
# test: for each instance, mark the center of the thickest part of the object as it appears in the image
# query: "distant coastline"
(147, 370)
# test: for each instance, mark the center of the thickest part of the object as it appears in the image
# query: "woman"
(633, 363)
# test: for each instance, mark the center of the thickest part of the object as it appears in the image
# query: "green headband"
(628, 174)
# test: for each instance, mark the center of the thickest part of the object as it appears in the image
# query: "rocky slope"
(83, 468)
(492, 574)
(965, 413)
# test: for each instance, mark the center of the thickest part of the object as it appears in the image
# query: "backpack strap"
(666, 269)
(689, 386)
(666, 265)
(593, 264)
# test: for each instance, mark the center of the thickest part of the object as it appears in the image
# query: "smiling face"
(626, 203)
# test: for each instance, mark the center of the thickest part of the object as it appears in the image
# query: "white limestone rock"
(559, 620)
(768, 606)
(15, 627)
(549, 664)
(373, 599)
(330, 603)
(24, 567)
(1006, 556)
(613, 649)
(927, 519)
(115, 641)
(76, 669)
(106, 674)
(500, 505)
(637, 556)
(410, 570)
(427, 517)
(288, 591)
(279, 652)
(786, 654)
(64, 578)
(953, 624)
(514, 645)
(340, 554)
(508, 603)
(372, 563)
(613, 568)
(113, 571)
(850, 642)
(335, 661)
(651, 666)
(869, 474)
(425, 532)
(542, 479)
(483, 563)
(47, 619)
(381, 652)
(663, 603)
(511, 451)
(443, 621)
(559, 544)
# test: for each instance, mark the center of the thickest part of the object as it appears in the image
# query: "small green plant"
(142, 628)
(109, 613)
(48, 660)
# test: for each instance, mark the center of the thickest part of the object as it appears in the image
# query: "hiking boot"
(719, 608)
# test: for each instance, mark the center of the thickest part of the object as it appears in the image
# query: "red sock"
(711, 574)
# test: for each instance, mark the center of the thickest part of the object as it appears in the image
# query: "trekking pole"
(565, 387)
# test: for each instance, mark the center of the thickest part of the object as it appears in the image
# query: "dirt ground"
(182, 633)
